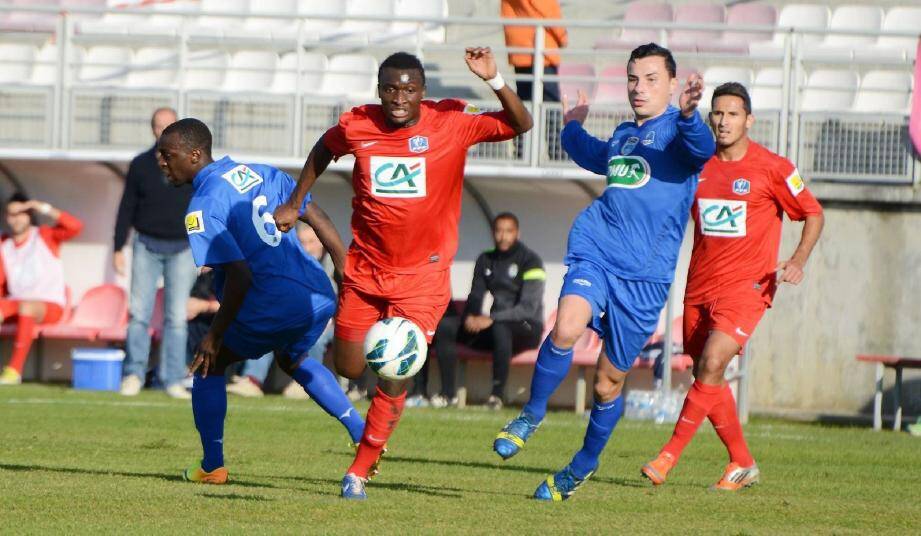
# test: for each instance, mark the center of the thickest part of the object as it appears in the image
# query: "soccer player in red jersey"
(32, 274)
(408, 181)
(743, 193)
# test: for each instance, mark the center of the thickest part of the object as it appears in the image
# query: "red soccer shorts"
(735, 315)
(369, 296)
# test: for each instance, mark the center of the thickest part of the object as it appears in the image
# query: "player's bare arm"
(691, 94)
(481, 62)
(791, 271)
(318, 160)
(237, 281)
(326, 231)
(579, 112)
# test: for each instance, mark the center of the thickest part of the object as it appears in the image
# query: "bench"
(898, 363)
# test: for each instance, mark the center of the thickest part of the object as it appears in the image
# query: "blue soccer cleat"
(513, 437)
(560, 486)
(353, 487)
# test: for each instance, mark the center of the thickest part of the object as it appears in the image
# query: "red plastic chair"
(102, 307)
(119, 334)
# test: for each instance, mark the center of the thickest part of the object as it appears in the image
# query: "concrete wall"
(860, 295)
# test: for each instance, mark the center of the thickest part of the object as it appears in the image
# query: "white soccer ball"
(395, 348)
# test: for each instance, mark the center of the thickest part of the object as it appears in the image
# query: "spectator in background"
(255, 371)
(555, 38)
(515, 277)
(160, 249)
(32, 274)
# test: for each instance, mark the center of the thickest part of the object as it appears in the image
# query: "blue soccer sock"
(601, 424)
(209, 406)
(549, 371)
(321, 385)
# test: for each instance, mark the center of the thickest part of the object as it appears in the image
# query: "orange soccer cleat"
(736, 477)
(657, 470)
(197, 474)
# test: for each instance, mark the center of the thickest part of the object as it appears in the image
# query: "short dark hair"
(20, 197)
(193, 134)
(505, 216)
(734, 89)
(652, 49)
(403, 61)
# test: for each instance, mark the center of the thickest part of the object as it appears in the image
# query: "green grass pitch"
(79, 462)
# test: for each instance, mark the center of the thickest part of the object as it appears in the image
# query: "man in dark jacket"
(160, 248)
(515, 277)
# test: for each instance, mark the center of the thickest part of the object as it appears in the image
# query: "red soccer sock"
(25, 334)
(382, 419)
(726, 423)
(701, 398)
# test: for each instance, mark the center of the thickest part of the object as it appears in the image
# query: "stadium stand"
(690, 40)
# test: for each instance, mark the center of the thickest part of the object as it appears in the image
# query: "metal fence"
(68, 114)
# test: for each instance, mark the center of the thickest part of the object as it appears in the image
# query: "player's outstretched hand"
(206, 355)
(285, 217)
(691, 94)
(790, 272)
(481, 62)
(578, 112)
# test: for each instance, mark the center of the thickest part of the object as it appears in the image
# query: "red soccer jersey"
(738, 211)
(408, 182)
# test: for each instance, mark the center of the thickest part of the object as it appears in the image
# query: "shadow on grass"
(457, 463)
(96, 472)
(441, 491)
(235, 497)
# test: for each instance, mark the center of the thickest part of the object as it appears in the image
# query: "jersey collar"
(204, 172)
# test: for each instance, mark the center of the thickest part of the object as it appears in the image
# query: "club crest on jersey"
(741, 187)
(194, 222)
(629, 145)
(242, 178)
(650, 138)
(418, 144)
(722, 217)
(397, 176)
(628, 172)
(513, 270)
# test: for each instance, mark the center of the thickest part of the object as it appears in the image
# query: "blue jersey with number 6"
(230, 219)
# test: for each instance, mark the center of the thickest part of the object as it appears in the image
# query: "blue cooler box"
(97, 369)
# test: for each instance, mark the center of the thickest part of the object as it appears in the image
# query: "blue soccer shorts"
(625, 312)
(250, 343)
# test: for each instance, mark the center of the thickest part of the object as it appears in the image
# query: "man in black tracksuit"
(515, 277)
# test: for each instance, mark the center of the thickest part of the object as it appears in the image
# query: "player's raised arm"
(318, 160)
(326, 231)
(481, 62)
(237, 281)
(586, 150)
(694, 135)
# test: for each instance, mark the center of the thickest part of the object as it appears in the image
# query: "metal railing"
(72, 115)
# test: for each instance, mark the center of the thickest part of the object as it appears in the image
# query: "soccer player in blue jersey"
(622, 250)
(274, 296)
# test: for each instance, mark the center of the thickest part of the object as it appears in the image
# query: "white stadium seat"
(829, 90)
(798, 16)
(432, 32)
(843, 46)
(210, 24)
(715, 76)
(16, 62)
(251, 71)
(363, 31)
(271, 27)
(104, 65)
(884, 92)
(898, 19)
(352, 75)
(313, 67)
(153, 67)
(206, 70)
(767, 89)
(313, 27)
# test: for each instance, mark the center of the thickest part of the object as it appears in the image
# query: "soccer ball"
(395, 348)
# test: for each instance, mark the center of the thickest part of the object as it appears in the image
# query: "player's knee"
(711, 366)
(351, 370)
(566, 332)
(607, 389)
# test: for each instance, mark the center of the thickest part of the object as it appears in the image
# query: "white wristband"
(45, 208)
(496, 82)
